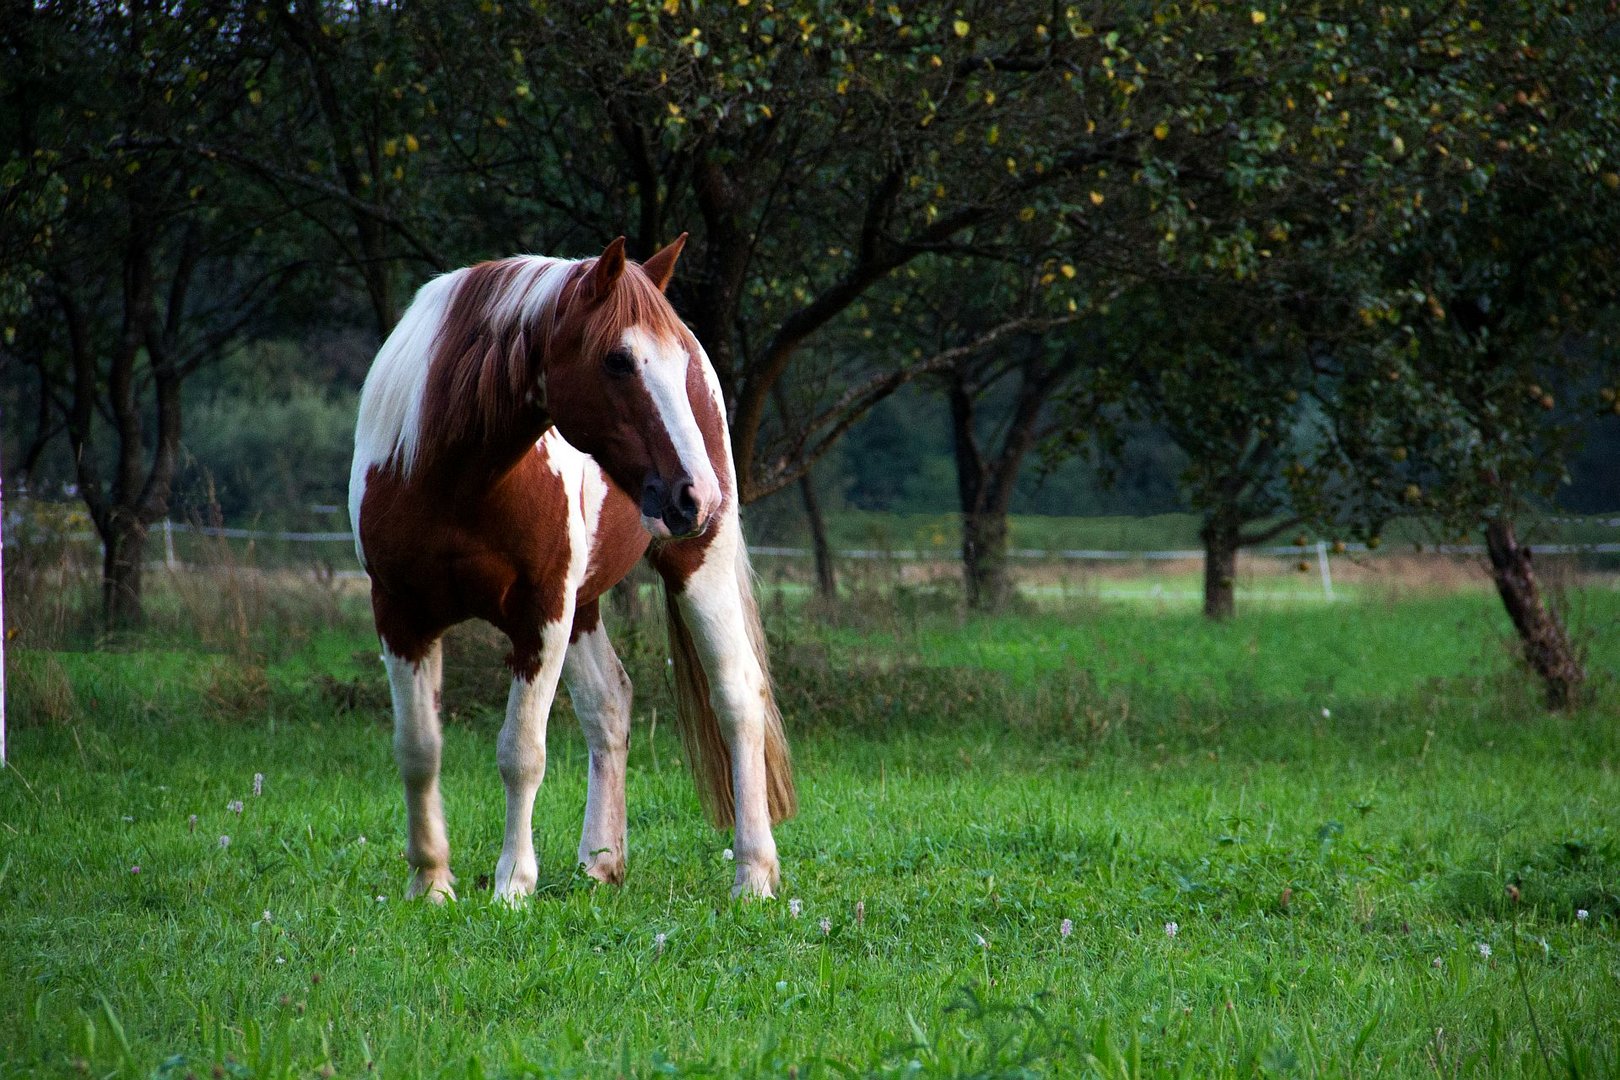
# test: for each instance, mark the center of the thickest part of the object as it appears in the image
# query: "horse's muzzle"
(677, 509)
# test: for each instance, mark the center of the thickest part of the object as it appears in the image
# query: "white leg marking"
(417, 746)
(521, 751)
(712, 605)
(601, 694)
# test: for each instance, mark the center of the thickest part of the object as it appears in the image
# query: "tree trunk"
(125, 542)
(1546, 643)
(375, 273)
(985, 484)
(1221, 537)
(721, 192)
(826, 574)
(984, 559)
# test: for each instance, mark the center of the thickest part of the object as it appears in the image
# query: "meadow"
(1092, 837)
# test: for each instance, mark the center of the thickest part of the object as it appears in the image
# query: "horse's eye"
(619, 363)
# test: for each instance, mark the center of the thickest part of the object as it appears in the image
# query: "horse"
(503, 427)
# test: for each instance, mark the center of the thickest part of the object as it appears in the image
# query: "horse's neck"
(485, 457)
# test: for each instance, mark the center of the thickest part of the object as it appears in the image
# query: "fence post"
(1327, 574)
(2, 620)
(168, 543)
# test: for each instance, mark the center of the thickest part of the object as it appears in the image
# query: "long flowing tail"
(706, 752)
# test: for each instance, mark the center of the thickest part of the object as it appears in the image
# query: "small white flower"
(658, 943)
(1327, 714)
(361, 840)
(728, 855)
(281, 960)
(795, 907)
(1581, 914)
(826, 926)
(267, 917)
(224, 841)
(234, 806)
(128, 819)
(1484, 950)
(258, 784)
(1171, 929)
(1066, 927)
(381, 898)
(1438, 963)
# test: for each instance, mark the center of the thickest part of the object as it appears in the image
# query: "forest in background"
(271, 431)
(1287, 267)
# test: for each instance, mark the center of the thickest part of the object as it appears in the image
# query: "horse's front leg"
(521, 751)
(418, 744)
(718, 617)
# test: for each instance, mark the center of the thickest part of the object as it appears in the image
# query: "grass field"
(1281, 847)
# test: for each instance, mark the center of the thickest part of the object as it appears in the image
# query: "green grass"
(1332, 877)
(1350, 652)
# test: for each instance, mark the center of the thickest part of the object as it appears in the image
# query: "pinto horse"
(503, 428)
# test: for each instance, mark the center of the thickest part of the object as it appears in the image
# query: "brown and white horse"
(502, 428)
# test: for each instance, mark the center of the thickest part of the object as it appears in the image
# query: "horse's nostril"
(678, 503)
(685, 501)
(653, 496)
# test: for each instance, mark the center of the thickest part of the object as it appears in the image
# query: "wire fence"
(172, 536)
(167, 530)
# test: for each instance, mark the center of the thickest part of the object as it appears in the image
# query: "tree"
(1500, 302)
(817, 153)
(1001, 352)
(142, 280)
(1281, 173)
(1236, 388)
(987, 477)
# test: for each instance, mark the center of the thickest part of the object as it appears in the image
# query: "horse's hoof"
(606, 869)
(513, 884)
(433, 886)
(755, 881)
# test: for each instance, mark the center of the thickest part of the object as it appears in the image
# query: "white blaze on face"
(661, 364)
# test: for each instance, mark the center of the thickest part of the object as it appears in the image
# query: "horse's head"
(625, 383)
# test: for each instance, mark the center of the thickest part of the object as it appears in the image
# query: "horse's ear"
(609, 266)
(661, 267)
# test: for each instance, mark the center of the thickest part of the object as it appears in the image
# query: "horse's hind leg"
(521, 751)
(417, 746)
(601, 694)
